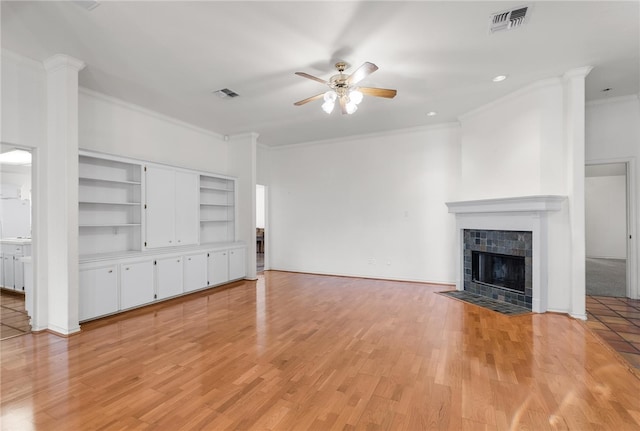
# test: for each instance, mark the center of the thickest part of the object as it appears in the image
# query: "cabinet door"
(195, 272)
(18, 273)
(169, 277)
(187, 208)
(160, 202)
(98, 292)
(136, 284)
(237, 266)
(7, 269)
(218, 267)
(2, 270)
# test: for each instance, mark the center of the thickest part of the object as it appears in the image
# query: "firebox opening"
(499, 270)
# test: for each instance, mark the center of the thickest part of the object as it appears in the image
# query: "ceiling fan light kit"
(343, 89)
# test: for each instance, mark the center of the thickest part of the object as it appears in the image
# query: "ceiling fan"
(343, 88)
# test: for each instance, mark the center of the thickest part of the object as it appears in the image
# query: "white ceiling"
(440, 56)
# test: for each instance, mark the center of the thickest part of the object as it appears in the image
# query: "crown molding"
(578, 72)
(351, 138)
(613, 100)
(127, 105)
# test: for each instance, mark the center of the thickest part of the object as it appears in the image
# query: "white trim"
(612, 100)
(352, 138)
(513, 204)
(149, 112)
(61, 60)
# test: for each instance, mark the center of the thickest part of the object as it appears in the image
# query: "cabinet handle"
(110, 271)
(178, 260)
(189, 258)
(179, 240)
(127, 269)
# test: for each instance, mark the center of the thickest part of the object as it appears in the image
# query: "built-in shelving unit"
(217, 209)
(109, 201)
(150, 232)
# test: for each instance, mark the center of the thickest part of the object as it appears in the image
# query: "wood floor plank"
(301, 352)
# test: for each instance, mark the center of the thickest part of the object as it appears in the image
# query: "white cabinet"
(171, 207)
(186, 208)
(159, 190)
(169, 277)
(136, 284)
(7, 271)
(98, 291)
(226, 265)
(218, 267)
(237, 266)
(12, 268)
(195, 271)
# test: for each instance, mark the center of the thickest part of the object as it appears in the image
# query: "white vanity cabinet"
(172, 211)
(136, 284)
(98, 290)
(169, 277)
(13, 250)
(195, 271)
(8, 280)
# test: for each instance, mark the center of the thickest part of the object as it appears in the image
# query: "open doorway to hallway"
(16, 278)
(606, 221)
(260, 225)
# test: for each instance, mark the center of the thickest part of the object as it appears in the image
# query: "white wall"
(370, 206)
(513, 146)
(606, 216)
(112, 126)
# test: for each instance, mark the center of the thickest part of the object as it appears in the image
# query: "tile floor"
(617, 321)
(483, 301)
(13, 317)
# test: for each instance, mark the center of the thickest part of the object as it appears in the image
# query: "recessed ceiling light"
(431, 113)
(605, 90)
(16, 157)
(499, 78)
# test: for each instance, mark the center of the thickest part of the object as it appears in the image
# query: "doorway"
(16, 273)
(607, 229)
(260, 227)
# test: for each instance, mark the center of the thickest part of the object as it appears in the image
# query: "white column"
(61, 166)
(242, 164)
(574, 84)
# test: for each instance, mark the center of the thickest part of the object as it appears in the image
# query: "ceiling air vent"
(225, 93)
(508, 20)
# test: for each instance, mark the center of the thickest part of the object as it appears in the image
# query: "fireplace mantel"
(524, 213)
(536, 203)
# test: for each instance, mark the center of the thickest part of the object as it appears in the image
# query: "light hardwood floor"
(307, 352)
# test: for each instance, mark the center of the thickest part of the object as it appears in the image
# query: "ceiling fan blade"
(309, 99)
(378, 92)
(362, 72)
(343, 105)
(306, 75)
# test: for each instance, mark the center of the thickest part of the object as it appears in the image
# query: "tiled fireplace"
(497, 264)
(503, 248)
